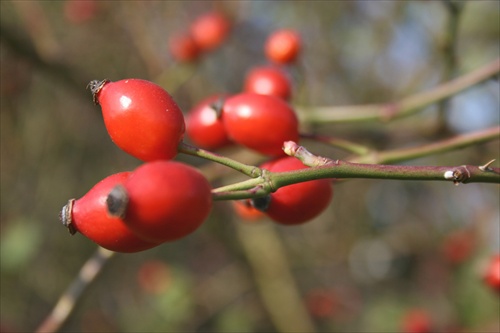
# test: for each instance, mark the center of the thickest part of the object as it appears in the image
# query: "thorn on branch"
(306, 157)
(486, 167)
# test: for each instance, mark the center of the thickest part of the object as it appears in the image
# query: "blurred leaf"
(20, 242)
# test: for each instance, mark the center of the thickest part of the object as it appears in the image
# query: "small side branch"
(322, 167)
(68, 300)
(248, 170)
(328, 168)
(442, 146)
(398, 109)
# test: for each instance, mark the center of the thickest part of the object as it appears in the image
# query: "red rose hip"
(283, 46)
(267, 80)
(297, 203)
(204, 125)
(210, 30)
(89, 216)
(141, 117)
(260, 122)
(163, 200)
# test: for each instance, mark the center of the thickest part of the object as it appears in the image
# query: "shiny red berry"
(163, 200)
(267, 80)
(89, 216)
(260, 122)
(141, 117)
(204, 124)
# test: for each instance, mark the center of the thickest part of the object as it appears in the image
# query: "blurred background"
(386, 256)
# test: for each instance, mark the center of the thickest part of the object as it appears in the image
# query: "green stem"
(248, 170)
(343, 169)
(256, 192)
(240, 186)
(457, 142)
(402, 108)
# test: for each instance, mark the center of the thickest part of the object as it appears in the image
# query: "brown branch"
(88, 272)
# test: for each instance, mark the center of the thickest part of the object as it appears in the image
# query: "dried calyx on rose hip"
(162, 200)
(88, 216)
(140, 117)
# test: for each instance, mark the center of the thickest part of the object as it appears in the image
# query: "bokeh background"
(382, 249)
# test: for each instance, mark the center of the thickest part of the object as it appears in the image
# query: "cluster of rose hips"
(209, 30)
(164, 200)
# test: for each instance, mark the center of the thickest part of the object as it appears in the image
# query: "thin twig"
(402, 108)
(249, 170)
(455, 10)
(406, 154)
(274, 280)
(63, 308)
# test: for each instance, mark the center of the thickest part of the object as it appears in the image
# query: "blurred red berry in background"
(458, 246)
(154, 277)
(492, 273)
(416, 321)
(80, 11)
(283, 46)
(267, 80)
(183, 48)
(210, 30)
